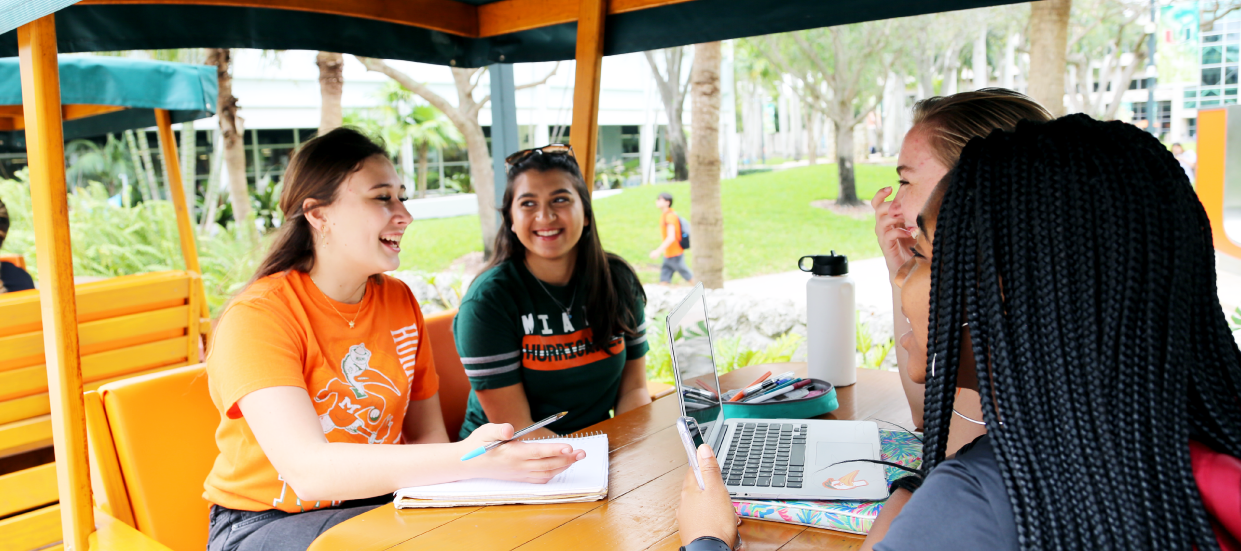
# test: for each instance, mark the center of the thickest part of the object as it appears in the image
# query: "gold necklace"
(333, 307)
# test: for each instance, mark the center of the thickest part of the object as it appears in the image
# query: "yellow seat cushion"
(163, 426)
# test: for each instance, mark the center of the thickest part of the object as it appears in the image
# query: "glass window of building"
(1212, 54)
(1211, 77)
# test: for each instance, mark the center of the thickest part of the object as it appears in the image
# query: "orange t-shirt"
(670, 218)
(283, 331)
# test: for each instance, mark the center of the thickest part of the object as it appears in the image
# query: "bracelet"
(708, 543)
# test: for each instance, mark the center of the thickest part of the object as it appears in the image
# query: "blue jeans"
(275, 530)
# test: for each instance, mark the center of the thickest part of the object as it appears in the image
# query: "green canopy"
(83, 28)
(187, 91)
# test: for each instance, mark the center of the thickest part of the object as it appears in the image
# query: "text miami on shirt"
(541, 350)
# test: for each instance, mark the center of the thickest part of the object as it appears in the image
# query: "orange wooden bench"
(127, 326)
(14, 259)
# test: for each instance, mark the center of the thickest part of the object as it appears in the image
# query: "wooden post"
(585, 130)
(45, 147)
(176, 192)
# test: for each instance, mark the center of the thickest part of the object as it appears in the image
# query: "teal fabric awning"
(15, 13)
(132, 26)
(187, 91)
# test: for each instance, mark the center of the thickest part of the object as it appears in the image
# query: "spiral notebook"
(586, 480)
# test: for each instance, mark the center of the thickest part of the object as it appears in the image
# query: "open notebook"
(586, 480)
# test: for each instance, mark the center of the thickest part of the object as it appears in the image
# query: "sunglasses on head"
(553, 149)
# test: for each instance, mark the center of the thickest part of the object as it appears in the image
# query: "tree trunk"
(189, 164)
(844, 165)
(674, 100)
(980, 58)
(422, 170)
(148, 164)
(482, 179)
(144, 188)
(331, 82)
(1008, 78)
(1122, 84)
(231, 133)
(812, 141)
(676, 148)
(211, 197)
(706, 212)
(1049, 37)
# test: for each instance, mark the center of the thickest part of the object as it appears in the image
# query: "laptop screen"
(693, 362)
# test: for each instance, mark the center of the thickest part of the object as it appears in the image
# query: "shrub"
(729, 354)
(110, 240)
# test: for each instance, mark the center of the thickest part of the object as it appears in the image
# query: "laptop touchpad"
(835, 452)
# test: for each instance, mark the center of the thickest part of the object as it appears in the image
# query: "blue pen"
(493, 445)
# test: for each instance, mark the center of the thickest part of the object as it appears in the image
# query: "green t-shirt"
(509, 330)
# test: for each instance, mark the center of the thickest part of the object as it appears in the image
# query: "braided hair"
(1083, 262)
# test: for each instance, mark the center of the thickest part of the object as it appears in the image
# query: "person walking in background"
(12, 277)
(1188, 160)
(672, 249)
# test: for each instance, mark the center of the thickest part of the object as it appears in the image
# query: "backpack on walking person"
(684, 232)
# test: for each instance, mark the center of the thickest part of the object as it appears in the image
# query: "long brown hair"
(609, 303)
(316, 172)
(954, 120)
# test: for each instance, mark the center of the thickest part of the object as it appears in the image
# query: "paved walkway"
(874, 294)
(870, 278)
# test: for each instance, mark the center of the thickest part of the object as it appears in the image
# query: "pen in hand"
(493, 445)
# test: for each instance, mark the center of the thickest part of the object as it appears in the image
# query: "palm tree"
(430, 129)
(398, 120)
(88, 162)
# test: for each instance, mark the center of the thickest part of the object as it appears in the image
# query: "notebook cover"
(898, 447)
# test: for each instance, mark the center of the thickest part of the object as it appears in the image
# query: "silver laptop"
(793, 459)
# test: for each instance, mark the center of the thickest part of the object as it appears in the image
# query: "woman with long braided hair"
(1111, 387)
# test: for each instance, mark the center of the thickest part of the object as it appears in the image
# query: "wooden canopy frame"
(456, 18)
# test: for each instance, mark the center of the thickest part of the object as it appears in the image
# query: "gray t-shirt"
(962, 505)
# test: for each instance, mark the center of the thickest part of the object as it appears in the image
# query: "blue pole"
(504, 139)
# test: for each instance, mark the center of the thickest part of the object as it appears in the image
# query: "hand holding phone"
(691, 436)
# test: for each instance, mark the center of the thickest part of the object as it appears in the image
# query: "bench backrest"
(14, 259)
(454, 385)
(152, 445)
(127, 326)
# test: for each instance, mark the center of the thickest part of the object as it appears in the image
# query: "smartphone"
(691, 436)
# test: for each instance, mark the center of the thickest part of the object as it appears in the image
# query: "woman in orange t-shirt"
(315, 363)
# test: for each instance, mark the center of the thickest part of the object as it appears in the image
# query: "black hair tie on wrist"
(911, 483)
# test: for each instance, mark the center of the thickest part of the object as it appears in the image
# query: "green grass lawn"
(768, 224)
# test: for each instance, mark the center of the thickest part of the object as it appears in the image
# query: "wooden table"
(647, 468)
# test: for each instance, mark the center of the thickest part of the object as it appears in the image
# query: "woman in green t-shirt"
(526, 331)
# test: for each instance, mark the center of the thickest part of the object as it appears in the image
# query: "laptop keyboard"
(770, 455)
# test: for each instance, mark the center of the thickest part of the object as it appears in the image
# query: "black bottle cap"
(825, 264)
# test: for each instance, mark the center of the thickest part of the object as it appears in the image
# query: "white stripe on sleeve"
(489, 359)
(493, 371)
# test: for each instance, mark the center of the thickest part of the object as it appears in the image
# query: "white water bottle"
(831, 330)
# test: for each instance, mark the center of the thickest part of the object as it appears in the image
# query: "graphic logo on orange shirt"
(349, 406)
